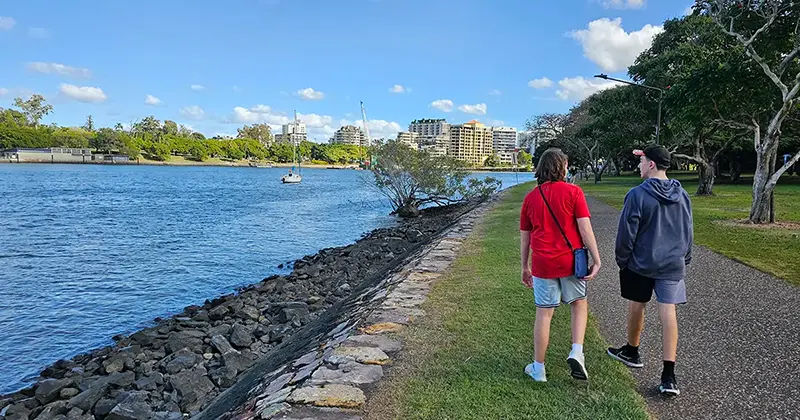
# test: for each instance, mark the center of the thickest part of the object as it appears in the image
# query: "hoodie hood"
(664, 190)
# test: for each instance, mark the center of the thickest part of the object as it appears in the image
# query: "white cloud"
(237, 89)
(495, 123)
(542, 83)
(83, 93)
(606, 44)
(495, 92)
(477, 109)
(689, 10)
(398, 89)
(3, 91)
(314, 120)
(193, 112)
(257, 115)
(445, 105)
(6, 23)
(38, 33)
(310, 94)
(578, 88)
(197, 88)
(152, 100)
(61, 69)
(623, 4)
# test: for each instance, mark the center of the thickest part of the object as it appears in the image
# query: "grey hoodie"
(655, 230)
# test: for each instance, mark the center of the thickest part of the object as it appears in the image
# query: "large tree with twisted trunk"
(769, 33)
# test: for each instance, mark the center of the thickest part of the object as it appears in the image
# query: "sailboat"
(293, 177)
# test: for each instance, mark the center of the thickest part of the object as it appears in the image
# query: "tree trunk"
(616, 166)
(706, 177)
(408, 211)
(760, 208)
(735, 170)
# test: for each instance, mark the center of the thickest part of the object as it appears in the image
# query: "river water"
(91, 251)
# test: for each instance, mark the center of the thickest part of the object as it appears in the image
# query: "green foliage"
(198, 151)
(71, 137)
(492, 161)
(259, 132)
(34, 108)
(525, 158)
(411, 179)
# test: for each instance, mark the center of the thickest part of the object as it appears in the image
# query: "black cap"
(658, 154)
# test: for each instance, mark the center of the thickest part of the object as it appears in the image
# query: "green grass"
(465, 359)
(770, 249)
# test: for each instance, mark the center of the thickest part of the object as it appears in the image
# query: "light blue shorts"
(549, 293)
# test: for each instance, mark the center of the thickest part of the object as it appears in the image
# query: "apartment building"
(470, 142)
(349, 134)
(429, 127)
(292, 133)
(504, 141)
(409, 139)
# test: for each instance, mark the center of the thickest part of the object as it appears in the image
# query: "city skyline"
(215, 67)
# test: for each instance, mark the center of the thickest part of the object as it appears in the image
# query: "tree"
(106, 140)
(411, 179)
(71, 137)
(149, 125)
(198, 151)
(492, 161)
(769, 32)
(547, 126)
(89, 125)
(34, 108)
(706, 77)
(260, 132)
(170, 127)
(12, 117)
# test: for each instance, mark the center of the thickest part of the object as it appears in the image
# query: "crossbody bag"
(580, 256)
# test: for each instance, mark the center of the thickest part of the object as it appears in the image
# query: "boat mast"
(294, 142)
(366, 130)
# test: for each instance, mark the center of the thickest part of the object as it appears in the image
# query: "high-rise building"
(470, 142)
(409, 139)
(504, 140)
(349, 134)
(293, 132)
(429, 127)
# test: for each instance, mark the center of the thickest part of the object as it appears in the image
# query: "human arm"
(524, 254)
(688, 258)
(587, 234)
(627, 230)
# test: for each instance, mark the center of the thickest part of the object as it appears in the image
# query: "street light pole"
(660, 99)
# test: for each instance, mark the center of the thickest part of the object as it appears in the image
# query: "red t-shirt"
(552, 258)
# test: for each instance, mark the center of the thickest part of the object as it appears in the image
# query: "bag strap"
(569, 244)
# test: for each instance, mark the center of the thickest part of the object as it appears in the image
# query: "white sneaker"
(537, 375)
(577, 367)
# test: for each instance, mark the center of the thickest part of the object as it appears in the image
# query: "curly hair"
(552, 166)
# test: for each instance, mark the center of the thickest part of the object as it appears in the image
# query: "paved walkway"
(739, 345)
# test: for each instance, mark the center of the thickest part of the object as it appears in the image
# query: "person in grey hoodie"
(654, 245)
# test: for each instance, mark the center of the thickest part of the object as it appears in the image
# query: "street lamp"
(660, 98)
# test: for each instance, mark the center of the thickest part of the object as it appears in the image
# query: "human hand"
(593, 270)
(527, 278)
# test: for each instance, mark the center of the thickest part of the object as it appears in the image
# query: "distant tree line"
(157, 140)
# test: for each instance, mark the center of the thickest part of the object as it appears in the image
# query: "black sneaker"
(625, 356)
(669, 387)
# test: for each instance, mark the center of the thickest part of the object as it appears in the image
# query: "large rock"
(383, 342)
(88, 398)
(366, 355)
(348, 374)
(193, 387)
(181, 360)
(224, 377)
(121, 379)
(294, 311)
(58, 408)
(130, 409)
(68, 393)
(238, 361)
(184, 340)
(150, 382)
(341, 396)
(103, 407)
(241, 336)
(49, 390)
(17, 412)
(221, 344)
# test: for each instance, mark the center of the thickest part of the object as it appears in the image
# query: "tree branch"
(694, 159)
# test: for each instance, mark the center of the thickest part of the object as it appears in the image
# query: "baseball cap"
(658, 154)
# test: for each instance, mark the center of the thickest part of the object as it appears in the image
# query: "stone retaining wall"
(347, 351)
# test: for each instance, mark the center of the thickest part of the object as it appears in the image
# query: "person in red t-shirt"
(551, 272)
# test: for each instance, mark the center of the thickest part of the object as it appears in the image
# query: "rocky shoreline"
(177, 367)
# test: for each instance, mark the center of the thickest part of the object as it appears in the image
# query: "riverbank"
(181, 363)
(465, 358)
(182, 161)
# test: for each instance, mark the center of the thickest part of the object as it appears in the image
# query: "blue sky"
(216, 65)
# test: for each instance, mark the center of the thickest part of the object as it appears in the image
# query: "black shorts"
(639, 288)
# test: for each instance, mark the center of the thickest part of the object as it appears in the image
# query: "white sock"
(577, 348)
(538, 367)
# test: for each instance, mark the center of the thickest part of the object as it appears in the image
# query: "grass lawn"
(767, 249)
(465, 359)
